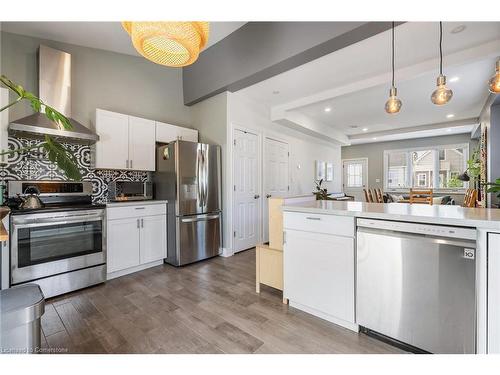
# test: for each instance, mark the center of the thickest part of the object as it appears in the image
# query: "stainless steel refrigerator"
(188, 176)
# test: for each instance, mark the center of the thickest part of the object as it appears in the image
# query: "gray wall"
(375, 152)
(100, 79)
(260, 50)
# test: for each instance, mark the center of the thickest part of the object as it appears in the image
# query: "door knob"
(268, 196)
(256, 196)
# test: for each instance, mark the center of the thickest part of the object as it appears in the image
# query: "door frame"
(228, 249)
(277, 139)
(353, 159)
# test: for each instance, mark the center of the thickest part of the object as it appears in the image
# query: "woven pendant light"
(168, 43)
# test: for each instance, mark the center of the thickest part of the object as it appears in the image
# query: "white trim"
(258, 133)
(225, 253)
(409, 171)
(340, 322)
(130, 270)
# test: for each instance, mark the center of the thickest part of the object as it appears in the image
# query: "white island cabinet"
(318, 265)
(494, 293)
(136, 236)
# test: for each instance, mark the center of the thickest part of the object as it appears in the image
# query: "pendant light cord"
(392, 53)
(440, 48)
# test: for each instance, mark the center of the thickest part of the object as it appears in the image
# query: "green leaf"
(62, 158)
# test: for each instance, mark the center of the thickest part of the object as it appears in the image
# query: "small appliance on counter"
(119, 191)
(57, 236)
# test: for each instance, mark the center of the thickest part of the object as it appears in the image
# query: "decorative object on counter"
(321, 193)
(173, 44)
(329, 171)
(442, 94)
(320, 170)
(494, 82)
(393, 104)
(473, 172)
(30, 166)
(52, 150)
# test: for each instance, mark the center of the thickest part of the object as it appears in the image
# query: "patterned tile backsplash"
(34, 165)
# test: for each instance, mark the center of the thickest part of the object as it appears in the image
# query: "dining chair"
(366, 196)
(370, 196)
(378, 194)
(421, 196)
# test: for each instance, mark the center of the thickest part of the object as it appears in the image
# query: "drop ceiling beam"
(260, 50)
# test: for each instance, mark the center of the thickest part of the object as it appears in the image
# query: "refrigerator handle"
(205, 177)
(199, 167)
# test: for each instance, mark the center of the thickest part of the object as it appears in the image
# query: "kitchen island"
(320, 257)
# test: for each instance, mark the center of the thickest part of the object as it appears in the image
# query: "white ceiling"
(355, 81)
(108, 36)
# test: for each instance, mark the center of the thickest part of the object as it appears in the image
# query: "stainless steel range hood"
(54, 73)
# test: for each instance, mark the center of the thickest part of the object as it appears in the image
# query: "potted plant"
(321, 193)
(494, 187)
(54, 151)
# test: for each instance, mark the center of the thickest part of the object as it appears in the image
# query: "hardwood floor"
(207, 307)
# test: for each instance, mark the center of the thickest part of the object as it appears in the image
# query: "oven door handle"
(47, 222)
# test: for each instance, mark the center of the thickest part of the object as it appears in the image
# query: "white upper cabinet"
(166, 133)
(128, 142)
(141, 146)
(112, 148)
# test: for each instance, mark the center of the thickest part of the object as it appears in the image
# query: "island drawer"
(319, 223)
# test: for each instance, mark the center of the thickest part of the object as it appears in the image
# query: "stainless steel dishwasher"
(416, 284)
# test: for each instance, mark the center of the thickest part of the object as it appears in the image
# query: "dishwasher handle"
(420, 237)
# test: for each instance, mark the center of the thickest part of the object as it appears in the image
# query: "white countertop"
(487, 218)
(135, 203)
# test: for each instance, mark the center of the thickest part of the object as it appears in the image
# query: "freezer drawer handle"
(313, 218)
(205, 218)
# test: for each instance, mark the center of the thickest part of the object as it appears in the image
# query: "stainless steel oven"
(61, 247)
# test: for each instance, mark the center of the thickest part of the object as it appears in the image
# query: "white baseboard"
(341, 322)
(141, 267)
(226, 252)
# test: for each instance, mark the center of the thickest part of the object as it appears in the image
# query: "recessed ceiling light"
(448, 130)
(365, 129)
(458, 29)
(374, 138)
(454, 79)
(328, 109)
(276, 92)
(450, 115)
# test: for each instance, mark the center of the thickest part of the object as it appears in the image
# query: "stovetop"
(56, 208)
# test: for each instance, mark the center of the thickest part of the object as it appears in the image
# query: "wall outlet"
(377, 180)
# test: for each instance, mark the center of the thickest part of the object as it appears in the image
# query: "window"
(354, 175)
(422, 180)
(435, 167)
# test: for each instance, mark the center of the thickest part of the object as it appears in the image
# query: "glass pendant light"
(494, 82)
(393, 104)
(442, 94)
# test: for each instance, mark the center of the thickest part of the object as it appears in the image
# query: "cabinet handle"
(142, 223)
(140, 208)
(268, 196)
(138, 224)
(313, 218)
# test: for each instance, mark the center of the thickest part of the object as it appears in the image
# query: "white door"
(246, 197)
(355, 177)
(153, 238)
(123, 244)
(142, 138)
(112, 148)
(276, 180)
